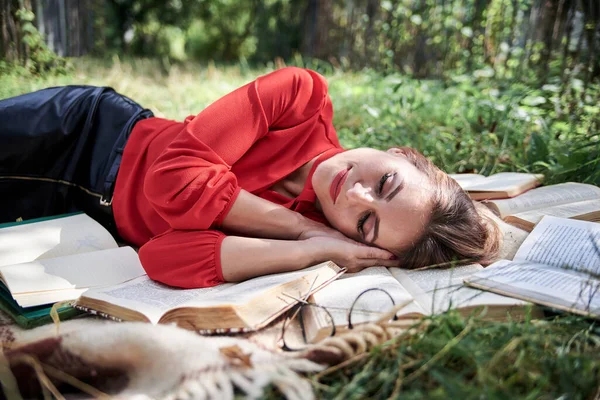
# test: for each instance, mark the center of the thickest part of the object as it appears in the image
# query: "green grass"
(456, 358)
(464, 124)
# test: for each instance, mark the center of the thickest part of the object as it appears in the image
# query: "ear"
(397, 151)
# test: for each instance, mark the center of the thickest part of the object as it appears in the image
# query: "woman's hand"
(312, 229)
(348, 253)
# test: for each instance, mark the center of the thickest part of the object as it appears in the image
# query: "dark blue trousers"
(60, 151)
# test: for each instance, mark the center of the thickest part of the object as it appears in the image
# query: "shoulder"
(297, 77)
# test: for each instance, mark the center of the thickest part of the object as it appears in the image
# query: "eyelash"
(382, 182)
(361, 222)
(363, 219)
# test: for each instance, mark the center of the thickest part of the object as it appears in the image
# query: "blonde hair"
(458, 229)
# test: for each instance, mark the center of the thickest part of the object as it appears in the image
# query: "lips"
(337, 183)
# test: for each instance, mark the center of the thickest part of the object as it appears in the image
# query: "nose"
(360, 195)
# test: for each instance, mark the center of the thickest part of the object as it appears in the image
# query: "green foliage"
(464, 124)
(470, 124)
(452, 357)
(39, 59)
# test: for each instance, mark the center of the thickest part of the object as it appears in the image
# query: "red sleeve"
(191, 184)
(186, 259)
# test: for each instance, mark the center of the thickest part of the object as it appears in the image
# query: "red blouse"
(178, 180)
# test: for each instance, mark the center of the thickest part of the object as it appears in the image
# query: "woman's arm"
(192, 259)
(253, 216)
(191, 184)
(243, 258)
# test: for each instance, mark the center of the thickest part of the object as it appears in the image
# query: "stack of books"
(558, 265)
(513, 196)
(72, 257)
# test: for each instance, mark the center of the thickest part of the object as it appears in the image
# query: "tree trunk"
(475, 24)
(548, 18)
(591, 19)
(513, 23)
(369, 38)
(568, 30)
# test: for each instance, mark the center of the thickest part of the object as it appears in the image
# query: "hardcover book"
(498, 186)
(558, 265)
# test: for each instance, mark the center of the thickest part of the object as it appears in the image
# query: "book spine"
(204, 332)
(224, 331)
(98, 313)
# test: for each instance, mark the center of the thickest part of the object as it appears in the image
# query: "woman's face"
(375, 197)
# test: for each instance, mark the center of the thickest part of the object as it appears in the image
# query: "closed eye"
(384, 179)
(368, 225)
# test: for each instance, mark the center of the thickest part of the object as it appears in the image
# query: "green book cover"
(30, 317)
(32, 221)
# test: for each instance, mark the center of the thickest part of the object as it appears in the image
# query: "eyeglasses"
(315, 322)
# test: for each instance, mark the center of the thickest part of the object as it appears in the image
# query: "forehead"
(404, 219)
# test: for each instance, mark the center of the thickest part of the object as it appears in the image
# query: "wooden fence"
(517, 38)
(66, 25)
(428, 37)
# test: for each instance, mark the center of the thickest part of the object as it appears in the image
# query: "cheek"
(341, 222)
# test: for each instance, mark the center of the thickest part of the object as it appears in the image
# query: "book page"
(242, 292)
(105, 267)
(149, 297)
(154, 299)
(503, 181)
(562, 211)
(52, 238)
(47, 297)
(541, 283)
(339, 295)
(464, 180)
(564, 243)
(439, 290)
(547, 196)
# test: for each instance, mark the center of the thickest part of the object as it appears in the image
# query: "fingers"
(362, 264)
(374, 253)
(376, 263)
(357, 265)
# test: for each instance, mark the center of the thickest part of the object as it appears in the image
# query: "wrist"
(312, 252)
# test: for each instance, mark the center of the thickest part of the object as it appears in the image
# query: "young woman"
(256, 183)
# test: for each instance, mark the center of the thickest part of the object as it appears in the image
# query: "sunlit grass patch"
(464, 124)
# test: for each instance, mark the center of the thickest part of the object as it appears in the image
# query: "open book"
(226, 308)
(423, 292)
(566, 200)
(56, 259)
(558, 265)
(498, 186)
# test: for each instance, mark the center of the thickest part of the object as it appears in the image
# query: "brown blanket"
(99, 357)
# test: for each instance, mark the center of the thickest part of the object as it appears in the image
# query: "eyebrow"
(387, 199)
(395, 191)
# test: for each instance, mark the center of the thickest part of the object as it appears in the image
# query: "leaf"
(416, 19)
(486, 72)
(533, 100)
(551, 88)
(538, 149)
(467, 31)
(236, 356)
(374, 112)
